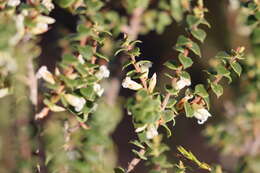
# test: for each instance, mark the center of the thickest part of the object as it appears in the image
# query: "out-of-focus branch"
(135, 24)
(32, 83)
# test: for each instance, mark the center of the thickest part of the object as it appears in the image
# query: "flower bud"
(98, 89)
(45, 74)
(77, 102)
(202, 115)
(182, 83)
(129, 83)
(152, 83)
(103, 72)
(140, 129)
(48, 4)
(151, 132)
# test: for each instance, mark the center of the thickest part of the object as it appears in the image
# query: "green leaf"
(182, 41)
(140, 155)
(205, 22)
(217, 89)
(134, 52)
(69, 59)
(163, 20)
(236, 67)
(171, 90)
(188, 109)
(102, 56)
(185, 61)
(127, 63)
(168, 75)
(171, 103)
(167, 116)
(257, 15)
(192, 21)
(194, 47)
(131, 73)
(119, 170)
(120, 50)
(137, 143)
(171, 65)
(176, 9)
(256, 36)
(88, 93)
(199, 34)
(64, 3)
(201, 91)
(222, 70)
(193, 158)
(86, 51)
(185, 75)
(223, 55)
(81, 69)
(168, 131)
(179, 49)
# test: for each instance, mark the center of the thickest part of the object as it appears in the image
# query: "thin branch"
(134, 162)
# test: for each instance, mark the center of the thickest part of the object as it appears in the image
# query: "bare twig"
(134, 162)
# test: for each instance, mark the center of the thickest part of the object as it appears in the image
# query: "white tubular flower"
(13, 3)
(42, 24)
(202, 115)
(48, 4)
(56, 108)
(182, 83)
(140, 129)
(98, 89)
(152, 83)
(151, 132)
(45, 74)
(4, 92)
(77, 102)
(129, 83)
(145, 68)
(103, 72)
(81, 59)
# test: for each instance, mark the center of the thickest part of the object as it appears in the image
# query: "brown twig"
(134, 162)
(138, 70)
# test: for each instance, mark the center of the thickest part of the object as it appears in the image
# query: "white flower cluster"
(42, 23)
(75, 101)
(48, 4)
(81, 59)
(13, 3)
(182, 83)
(151, 131)
(98, 89)
(129, 83)
(145, 68)
(103, 72)
(202, 115)
(45, 74)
